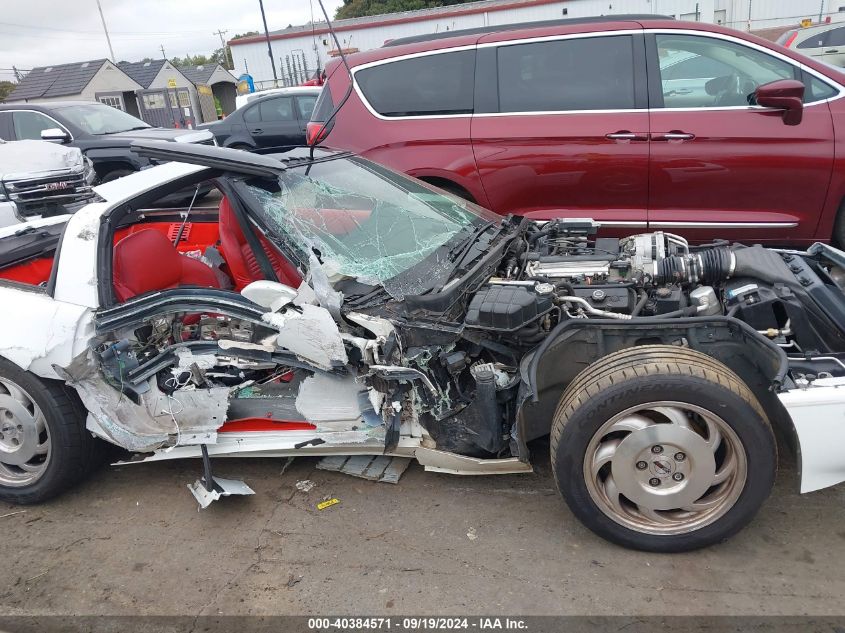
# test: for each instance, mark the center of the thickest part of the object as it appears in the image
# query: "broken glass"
(364, 222)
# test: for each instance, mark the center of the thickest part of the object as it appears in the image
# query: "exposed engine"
(562, 271)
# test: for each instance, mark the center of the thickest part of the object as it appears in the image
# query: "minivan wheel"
(662, 449)
(44, 447)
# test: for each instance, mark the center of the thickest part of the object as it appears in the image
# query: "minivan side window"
(429, 85)
(591, 73)
(736, 71)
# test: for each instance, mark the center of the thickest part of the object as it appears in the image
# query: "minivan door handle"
(625, 135)
(832, 50)
(673, 136)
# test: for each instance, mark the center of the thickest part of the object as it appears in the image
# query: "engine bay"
(452, 374)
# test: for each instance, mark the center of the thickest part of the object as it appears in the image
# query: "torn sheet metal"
(188, 416)
(323, 398)
(221, 488)
(311, 334)
(40, 332)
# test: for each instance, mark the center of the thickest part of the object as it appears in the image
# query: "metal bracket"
(209, 488)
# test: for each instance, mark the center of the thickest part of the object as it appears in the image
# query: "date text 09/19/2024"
(416, 623)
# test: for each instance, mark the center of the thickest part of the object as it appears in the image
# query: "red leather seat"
(239, 256)
(147, 261)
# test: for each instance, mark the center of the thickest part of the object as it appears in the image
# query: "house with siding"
(212, 81)
(167, 98)
(94, 80)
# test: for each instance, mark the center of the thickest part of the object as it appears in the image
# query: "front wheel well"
(450, 186)
(576, 345)
(103, 169)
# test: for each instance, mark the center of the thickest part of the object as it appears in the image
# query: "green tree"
(358, 8)
(6, 88)
(192, 60)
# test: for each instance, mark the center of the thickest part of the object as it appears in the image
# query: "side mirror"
(786, 95)
(55, 135)
(269, 294)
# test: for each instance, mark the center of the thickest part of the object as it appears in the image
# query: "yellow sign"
(327, 504)
(171, 83)
(806, 22)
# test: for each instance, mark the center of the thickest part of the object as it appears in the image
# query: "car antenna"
(185, 219)
(337, 108)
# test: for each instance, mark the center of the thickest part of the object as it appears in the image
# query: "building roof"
(60, 80)
(198, 74)
(389, 19)
(143, 72)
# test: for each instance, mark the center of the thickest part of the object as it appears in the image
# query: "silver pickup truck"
(40, 179)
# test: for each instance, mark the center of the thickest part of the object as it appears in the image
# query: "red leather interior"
(147, 261)
(239, 256)
(335, 221)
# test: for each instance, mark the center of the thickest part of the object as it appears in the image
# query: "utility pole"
(749, 16)
(269, 47)
(221, 33)
(161, 47)
(821, 12)
(105, 30)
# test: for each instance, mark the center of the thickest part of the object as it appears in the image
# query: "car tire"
(50, 415)
(115, 174)
(662, 449)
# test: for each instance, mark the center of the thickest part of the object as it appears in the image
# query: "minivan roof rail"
(623, 17)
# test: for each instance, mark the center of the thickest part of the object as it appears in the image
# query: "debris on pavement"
(306, 485)
(328, 503)
(286, 465)
(10, 514)
(293, 580)
(471, 535)
(382, 468)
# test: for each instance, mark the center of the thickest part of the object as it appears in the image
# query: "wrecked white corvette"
(331, 306)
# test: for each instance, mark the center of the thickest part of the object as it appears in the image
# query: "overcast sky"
(44, 32)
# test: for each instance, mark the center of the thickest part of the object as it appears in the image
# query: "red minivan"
(640, 122)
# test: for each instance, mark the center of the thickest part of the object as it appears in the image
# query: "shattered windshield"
(367, 223)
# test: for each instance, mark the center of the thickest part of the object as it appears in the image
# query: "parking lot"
(130, 541)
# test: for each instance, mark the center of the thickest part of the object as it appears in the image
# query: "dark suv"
(636, 121)
(102, 132)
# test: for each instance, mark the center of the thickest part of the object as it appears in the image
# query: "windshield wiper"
(464, 246)
(130, 129)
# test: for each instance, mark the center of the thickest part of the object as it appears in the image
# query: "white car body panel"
(818, 414)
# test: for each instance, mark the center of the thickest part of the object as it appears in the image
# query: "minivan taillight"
(315, 133)
(323, 110)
